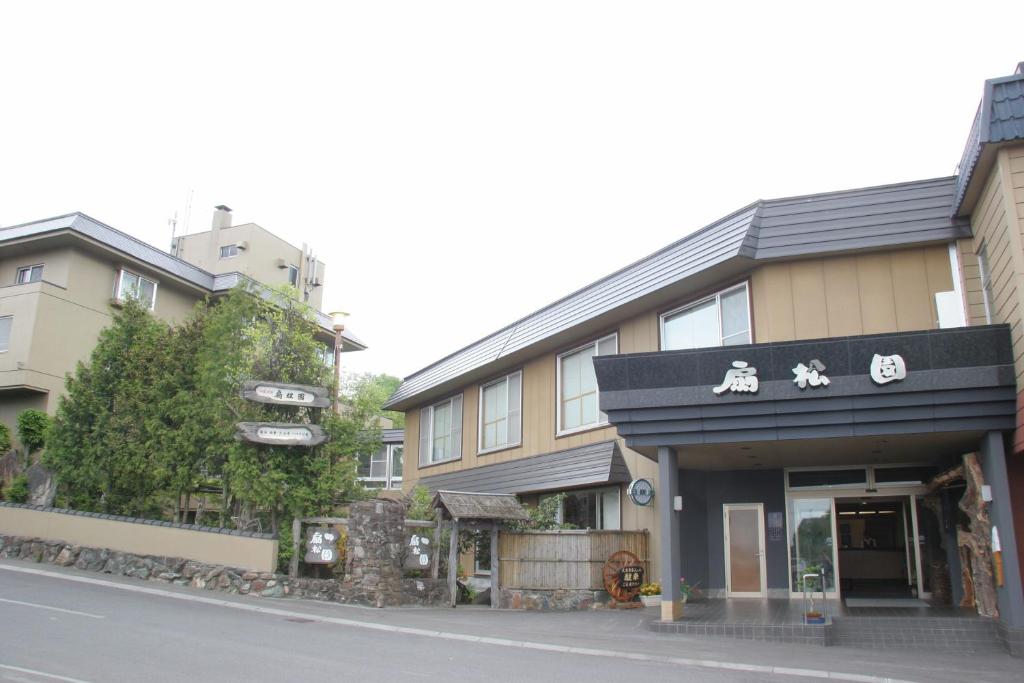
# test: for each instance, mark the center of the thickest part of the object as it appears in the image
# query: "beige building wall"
(57, 321)
(891, 291)
(997, 222)
(260, 259)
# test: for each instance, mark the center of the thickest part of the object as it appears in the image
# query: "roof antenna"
(173, 222)
(188, 210)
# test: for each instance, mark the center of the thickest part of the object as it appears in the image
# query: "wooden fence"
(563, 559)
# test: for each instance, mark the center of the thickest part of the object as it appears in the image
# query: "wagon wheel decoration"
(623, 575)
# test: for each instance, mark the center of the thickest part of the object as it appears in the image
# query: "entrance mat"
(885, 602)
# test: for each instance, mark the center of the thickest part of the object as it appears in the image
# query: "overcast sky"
(460, 164)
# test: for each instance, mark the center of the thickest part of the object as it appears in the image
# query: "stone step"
(917, 633)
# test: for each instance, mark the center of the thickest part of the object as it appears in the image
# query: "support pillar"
(671, 561)
(1009, 595)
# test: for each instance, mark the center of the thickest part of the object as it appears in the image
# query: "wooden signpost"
(623, 576)
(280, 434)
(321, 545)
(286, 394)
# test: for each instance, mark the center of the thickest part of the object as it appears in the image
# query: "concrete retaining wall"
(224, 547)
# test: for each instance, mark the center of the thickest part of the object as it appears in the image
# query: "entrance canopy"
(926, 392)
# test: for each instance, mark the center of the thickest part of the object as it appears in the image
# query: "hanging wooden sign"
(280, 434)
(321, 545)
(286, 394)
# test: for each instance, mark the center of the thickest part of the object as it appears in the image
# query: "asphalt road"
(54, 628)
(63, 625)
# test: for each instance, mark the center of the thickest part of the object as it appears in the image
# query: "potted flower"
(686, 590)
(650, 594)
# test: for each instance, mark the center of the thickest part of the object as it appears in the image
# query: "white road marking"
(448, 635)
(33, 672)
(54, 609)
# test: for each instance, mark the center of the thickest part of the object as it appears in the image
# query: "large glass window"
(722, 319)
(134, 286)
(810, 543)
(577, 385)
(441, 431)
(29, 274)
(592, 508)
(501, 413)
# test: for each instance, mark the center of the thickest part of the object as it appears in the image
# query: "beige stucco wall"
(243, 552)
(258, 260)
(57, 321)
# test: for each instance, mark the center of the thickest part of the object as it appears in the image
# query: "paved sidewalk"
(608, 631)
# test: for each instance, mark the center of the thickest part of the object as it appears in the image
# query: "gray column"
(671, 562)
(993, 464)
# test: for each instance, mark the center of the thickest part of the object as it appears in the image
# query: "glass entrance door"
(811, 542)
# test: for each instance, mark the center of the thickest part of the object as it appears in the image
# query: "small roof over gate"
(465, 506)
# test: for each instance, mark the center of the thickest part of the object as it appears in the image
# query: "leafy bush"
(17, 492)
(5, 438)
(32, 427)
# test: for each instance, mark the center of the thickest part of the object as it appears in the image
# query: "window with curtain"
(722, 319)
(441, 431)
(134, 286)
(29, 274)
(577, 385)
(501, 413)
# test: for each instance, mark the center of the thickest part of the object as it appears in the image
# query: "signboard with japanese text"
(286, 394)
(321, 545)
(280, 434)
(631, 577)
(418, 551)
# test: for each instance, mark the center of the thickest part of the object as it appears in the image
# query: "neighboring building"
(737, 368)
(382, 470)
(61, 276)
(253, 251)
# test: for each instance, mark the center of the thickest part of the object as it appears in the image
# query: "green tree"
(32, 427)
(5, 438)
(365, 393)
(101, 445)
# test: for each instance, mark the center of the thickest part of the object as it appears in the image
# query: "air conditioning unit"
(281, 263)
(242, 245)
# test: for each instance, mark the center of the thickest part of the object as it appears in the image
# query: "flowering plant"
(685, 589)
(652, 588)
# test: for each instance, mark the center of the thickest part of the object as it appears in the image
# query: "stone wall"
(182, 572)
(560, 599)
(373, 552)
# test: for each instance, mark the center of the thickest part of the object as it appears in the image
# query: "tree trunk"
(188, 504)
(976, 540)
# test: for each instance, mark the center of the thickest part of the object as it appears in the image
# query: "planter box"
(650, 600)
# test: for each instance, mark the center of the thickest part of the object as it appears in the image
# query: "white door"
(745, 575)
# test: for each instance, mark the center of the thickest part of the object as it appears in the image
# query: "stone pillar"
(373, 552)
(993, 464)
(671, 561)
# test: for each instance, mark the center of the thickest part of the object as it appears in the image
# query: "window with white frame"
(29, 274)
(441, 431)
(293, 276)
(577, 385)
(383, 468)
(133, 286)
(6, 322)
(722, 319)
(591, 508)
(501, 409)
(229, 250)
(986, 282)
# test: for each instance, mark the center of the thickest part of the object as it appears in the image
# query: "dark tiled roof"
(867, 218)
(596, 463)
(1000, 118)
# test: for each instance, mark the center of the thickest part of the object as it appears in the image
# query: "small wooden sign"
(280, 434)
(321, 545)
(286, 394)
(631, 577)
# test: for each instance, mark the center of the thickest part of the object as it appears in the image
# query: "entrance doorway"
(876, 549)
(745, 574)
